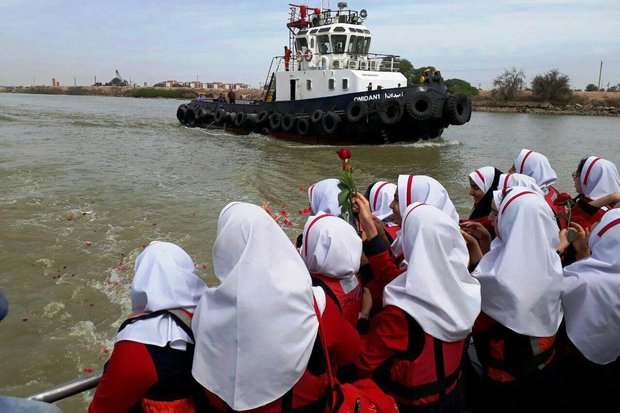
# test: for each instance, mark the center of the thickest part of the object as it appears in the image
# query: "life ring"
(181, 113)
(356, 111)
(458, 109)
(330, 122)
(317, 116)
(308, 55)
(421, 105)
(391, 112)
(275, 121)
(303, 126)
(288, 122)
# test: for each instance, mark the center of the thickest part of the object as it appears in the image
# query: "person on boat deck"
(369, 87)
(287, 57)
(482, 182)
(331, 250)
(380, 195)
(257, 333)
(521, 279)
(591, 304)
(231, 95)
(414, 346)
(150, 367)
(537, 166)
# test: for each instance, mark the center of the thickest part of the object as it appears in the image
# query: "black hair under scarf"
(483, 207)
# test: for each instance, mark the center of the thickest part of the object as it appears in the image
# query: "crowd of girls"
(410, 308)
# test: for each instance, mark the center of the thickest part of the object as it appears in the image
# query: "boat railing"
(68, 389)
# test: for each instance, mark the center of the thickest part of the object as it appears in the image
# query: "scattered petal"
(301, 211)
(301, 188)
(306, 210)
(153, 225)
(88, 371)
(88, 244)
(25, 319)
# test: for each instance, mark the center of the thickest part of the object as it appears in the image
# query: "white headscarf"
(437, 289)
(164, 279)
(331, 247)
(256, 330)
(380, 197)
(599, 177)
(483, 177)
(424, 189)
(591, 294)
(521, 277)
(509, 180)
(323, 196)
(537, 166)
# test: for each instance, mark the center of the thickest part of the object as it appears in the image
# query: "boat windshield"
(324, 44)
(338, 41)
(302, 43)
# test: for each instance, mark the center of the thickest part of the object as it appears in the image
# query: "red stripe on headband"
(513, 198)
(480, 175)
(409, 183)
(409, 213)
(374, 201)
(506, 181)
(585, 180)
(308, 232)
(523, 162)
(609, 226)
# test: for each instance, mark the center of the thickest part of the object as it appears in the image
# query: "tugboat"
(333, 91)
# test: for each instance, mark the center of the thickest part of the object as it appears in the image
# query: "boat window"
(339, 29)
(338, 41)
(302, 32)
(324, 29)
(313, 31)
(352, 44)
(312, 43)
(359, 45)
(345, 84)
(324, 45)
(309, 84)
(332, 84)
(366, 31)
(302, 43)
(365, 45)
(359, 30)
(351, 29)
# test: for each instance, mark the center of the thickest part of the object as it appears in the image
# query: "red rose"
(344, 153)
(562, 199)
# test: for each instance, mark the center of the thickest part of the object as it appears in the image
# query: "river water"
(86, 182)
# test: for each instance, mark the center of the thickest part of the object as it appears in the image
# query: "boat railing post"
(69, 388)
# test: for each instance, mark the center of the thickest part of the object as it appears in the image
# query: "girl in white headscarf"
(150, 365)
(417, 341)
(537, 166)
(323, 196)
(256, 333)
(482, 182)
(521, 280)
(332, 251)
(591, 303)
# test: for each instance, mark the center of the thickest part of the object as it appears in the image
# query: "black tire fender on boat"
(239, 118)
(262, 117)
(330, 122)
(249, 124)
(191, 116)
(230, 117)
(391, 112)
(201, 114)
(288, 122)
(303, 126)
(219, 116)
(458, 109)
(275, 121)
(421, 105)
(356, 111)
(317, 116)
(181, 113)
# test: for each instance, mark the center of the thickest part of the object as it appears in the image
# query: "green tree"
(461, 86)
(591, 88)
(509, 84)
(552, 86)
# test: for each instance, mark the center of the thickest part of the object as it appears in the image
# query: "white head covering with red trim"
(599, 177)
(483, 177)
(427, 190)
(380, 197)
(256, 330)
(509, 180)
(437, 289)
(323, 196)
(591, 294)
(521, 276)
(537, 166)
(331, 247)
(164, 279)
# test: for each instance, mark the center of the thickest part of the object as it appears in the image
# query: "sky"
(234, 41)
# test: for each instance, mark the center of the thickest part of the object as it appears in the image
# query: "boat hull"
(372, 117)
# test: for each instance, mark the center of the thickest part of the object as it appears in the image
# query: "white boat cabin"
(331, 57)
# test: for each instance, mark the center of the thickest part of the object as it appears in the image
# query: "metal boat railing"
(70, 388)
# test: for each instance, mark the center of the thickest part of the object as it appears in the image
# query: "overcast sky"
(234, 41)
